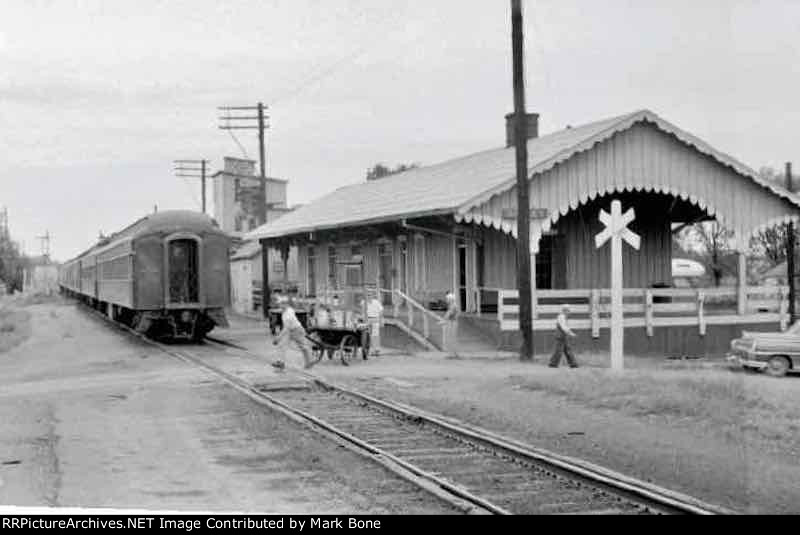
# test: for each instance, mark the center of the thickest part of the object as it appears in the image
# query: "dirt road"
(91, 418)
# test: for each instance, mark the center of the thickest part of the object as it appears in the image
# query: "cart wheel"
(347, 349)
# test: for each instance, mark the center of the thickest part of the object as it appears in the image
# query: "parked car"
(775, 353)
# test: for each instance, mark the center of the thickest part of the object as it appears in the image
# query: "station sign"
(535, 213)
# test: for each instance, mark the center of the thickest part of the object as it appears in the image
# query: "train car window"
(183, 276)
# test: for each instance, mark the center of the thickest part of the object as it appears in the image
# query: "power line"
(318, 76)
(241, 147)
(193, 169)
(242, 118)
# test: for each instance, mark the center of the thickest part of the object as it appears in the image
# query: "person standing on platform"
(375, 321)
(450, 323)
(563, 334)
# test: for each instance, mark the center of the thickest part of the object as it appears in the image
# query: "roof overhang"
(393, 218)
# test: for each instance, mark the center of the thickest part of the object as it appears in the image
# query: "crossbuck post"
(617, 230)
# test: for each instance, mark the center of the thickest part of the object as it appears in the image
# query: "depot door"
(385, 267)
(462, 275)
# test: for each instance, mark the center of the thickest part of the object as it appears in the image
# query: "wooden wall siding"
(472, 275)
(302, 264)
(344, 253)
(588, 267)
(439, 264)
(419, 282)
(370, 253)
(500, 257)
(642, 158)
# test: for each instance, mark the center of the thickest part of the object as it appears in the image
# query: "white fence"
(651, 307)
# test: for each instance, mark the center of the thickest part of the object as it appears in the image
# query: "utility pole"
(45, 245)
(4, 223)
(245, 122)
(790, 273)
(523, 203)
(193, 169)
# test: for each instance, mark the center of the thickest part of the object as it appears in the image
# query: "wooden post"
(741, 298)
(617, 230)
(456, 288)
(533, 288)
(426, 328)
(594, 312)
(285, 259)
(500, 297)
(648, 311)
(523, 193)
(701, 319)
(782, 308)
(617, 327)
(790, 271)
(478, 292)
(265, 291)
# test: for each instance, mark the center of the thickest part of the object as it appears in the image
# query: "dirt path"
(90, 418)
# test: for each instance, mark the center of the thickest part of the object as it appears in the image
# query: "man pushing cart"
(292, 331)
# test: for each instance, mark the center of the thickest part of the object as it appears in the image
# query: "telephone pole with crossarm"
(237, 118)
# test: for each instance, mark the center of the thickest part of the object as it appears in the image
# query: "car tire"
(777, 366)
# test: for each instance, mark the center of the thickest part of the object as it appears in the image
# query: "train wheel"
(347, 349)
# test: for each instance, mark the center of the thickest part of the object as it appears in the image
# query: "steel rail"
(455, 495)
(639, 490)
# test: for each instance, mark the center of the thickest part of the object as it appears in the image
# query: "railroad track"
(473, 469)
(494, 473)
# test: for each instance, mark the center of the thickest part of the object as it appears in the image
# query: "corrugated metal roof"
(462, 183)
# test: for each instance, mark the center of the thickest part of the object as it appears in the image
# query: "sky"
(97, 98)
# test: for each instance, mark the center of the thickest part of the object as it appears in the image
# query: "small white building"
(247, 276)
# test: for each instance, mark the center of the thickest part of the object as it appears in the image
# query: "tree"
(712, 242)
(12, 264)
(771, 243)
(380, 171)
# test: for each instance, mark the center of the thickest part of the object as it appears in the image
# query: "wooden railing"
(651, 307)
(258, 295)
(417, 317)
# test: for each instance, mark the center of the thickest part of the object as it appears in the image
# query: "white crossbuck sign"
(617, 230)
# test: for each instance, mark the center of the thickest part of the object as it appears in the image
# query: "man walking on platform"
(293, 331)
(563, 333)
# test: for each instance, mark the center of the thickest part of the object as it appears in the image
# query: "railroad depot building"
(452, 226)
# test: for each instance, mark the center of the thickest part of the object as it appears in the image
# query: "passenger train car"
(166, 275)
